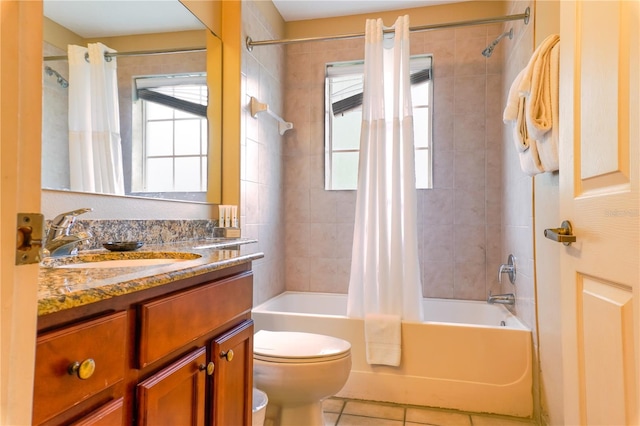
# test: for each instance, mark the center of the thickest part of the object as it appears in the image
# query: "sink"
(121, 263)
(119, 260)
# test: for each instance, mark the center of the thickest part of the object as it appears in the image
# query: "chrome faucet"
(502, 299)
(59, 241)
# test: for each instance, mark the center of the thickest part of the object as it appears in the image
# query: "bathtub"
(466, 355)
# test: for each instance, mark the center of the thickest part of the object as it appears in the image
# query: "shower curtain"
(385, 273)
(95, 153)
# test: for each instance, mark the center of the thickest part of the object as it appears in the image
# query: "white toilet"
(298, 371)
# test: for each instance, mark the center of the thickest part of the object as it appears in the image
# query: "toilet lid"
(291, 346)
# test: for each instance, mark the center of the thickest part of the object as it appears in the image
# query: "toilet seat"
(298, 347)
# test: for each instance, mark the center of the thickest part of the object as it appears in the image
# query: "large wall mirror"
(166, 65)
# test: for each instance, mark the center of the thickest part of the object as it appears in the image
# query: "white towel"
(511, 110)
(382, 335)
(548, 143)
(526, 147)
(532, 110)
(536, 86)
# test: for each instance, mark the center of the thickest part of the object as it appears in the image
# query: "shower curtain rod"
(524, 16)
(109, 55)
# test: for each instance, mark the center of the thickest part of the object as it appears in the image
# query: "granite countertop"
(60, 288)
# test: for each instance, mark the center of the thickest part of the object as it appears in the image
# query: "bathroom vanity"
(168, 344)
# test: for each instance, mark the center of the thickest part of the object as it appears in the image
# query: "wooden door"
(176, 394)
(599, 181)
(232, 388)
(20, 142)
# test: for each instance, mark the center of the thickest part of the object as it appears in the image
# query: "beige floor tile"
(380, 411)
(351, 420)
(497, 421)
(437, 417)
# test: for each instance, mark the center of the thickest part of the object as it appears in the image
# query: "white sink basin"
(117, 260)
(122, 263)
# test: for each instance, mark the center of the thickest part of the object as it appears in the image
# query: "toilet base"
(296, 415)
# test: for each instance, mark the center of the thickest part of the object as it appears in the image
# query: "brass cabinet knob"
(228, 355)
(83, 370)
(208, 368)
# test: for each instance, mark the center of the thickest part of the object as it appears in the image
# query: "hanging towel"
(536, 86)
(526, 147)
(382, 337)
(515, 113)
(532, 109)
(548, 143)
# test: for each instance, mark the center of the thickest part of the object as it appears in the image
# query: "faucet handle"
(508, 268)
(65, 220)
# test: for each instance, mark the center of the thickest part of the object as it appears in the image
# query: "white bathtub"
(461, 357)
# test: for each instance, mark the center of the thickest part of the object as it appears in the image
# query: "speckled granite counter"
(61, 289)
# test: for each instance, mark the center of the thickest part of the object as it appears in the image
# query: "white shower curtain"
(95, 153)
(385, 273)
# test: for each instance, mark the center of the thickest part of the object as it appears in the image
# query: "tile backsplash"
(147, 231)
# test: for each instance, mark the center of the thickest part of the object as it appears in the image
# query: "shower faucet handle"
(508, 268)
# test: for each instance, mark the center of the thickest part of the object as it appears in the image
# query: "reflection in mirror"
(162, 98)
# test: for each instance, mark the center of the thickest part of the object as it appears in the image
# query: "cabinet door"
(232, 354)
(176, 394)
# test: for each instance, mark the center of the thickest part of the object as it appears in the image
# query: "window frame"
(140, 157)
(336, 69)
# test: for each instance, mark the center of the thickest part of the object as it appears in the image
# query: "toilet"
(298, 371)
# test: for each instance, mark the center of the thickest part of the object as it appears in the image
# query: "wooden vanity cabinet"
(177, 355)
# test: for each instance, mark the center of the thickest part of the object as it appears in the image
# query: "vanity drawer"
(170, 323)
(110, 414)
(96, 348)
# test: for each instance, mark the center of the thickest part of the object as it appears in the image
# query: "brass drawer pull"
(208, 368)
(83, 370)
(228, 355)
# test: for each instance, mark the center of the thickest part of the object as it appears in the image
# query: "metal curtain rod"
(109, 55)
(524, 16)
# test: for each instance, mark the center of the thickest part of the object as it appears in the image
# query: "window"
(170, 139)
(343, 119)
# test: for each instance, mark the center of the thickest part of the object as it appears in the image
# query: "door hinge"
(30, 237)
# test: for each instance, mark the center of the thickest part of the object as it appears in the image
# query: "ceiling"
(297, 10)
(105, 18)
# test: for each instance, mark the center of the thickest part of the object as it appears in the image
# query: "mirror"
(134, 29)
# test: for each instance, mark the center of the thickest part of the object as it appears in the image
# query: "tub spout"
(502, 299)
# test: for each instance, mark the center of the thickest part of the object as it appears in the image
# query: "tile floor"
(346, 412)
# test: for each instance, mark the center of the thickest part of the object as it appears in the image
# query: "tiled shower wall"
(459, 219)
(261, 212)
(517, 214)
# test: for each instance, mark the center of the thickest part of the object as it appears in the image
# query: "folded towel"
(548, 144)
(526, 147)
(383, 339)
(511, 111)
(532, 109)
(536, 86)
